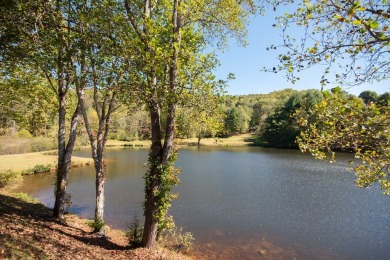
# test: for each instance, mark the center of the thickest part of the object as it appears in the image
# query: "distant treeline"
(27, 109)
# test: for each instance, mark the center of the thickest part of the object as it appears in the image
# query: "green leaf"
(374, 25)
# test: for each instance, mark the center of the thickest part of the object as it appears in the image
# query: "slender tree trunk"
(61, 180)
(64, 157)
(104, 111)
(100, 180)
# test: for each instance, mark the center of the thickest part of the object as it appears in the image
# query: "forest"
(269, 117)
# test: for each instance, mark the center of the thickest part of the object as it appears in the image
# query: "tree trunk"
(159, 155)
(61, 181)
(152, 183)
(64, 155)
(99, 209)
(104, 111)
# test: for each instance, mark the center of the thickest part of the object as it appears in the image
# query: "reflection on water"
(246, 202)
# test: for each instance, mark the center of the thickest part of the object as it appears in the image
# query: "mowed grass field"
(25, 161)
(236, 140)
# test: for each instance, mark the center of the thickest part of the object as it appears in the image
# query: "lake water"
(245, 203)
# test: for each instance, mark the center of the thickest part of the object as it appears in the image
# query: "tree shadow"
(25, 225)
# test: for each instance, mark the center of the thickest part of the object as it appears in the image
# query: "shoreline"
(45, 161)
(28, 231)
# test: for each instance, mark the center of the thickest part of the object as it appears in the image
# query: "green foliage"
(10, 179)
(351, 35)
(135, 232)
(26, 101)
(40, 144)
(39, 168)
(202, 115)
(232, 121)
(23, 133)
(25, 197)
(369, 96)
(384, 99)
(96, 224)
(167, 176)
(346, 123)
(280, 128)
(178, 240)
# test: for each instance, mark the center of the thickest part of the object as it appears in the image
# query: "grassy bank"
(30, 163)
(237, 140)
(25, 161)
(27, 231)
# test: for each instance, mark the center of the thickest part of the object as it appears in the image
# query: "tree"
(265, 106)
(169, 36)
(232, 121)
(202, 101)
(351, 35)
(369, 96)
(24, 100)
(204, 115)
(384, 99)
(281, 129)
(102, 69)
(40, 34)
(346, 123)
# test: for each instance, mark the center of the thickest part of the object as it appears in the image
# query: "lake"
(245, 203)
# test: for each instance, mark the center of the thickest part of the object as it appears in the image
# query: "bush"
(10, 179)
(25, 197)
(177, 240)
(39, 168)
(123, 136)
(135, 232)
(96, 224)
(40, 144)
(23, 133)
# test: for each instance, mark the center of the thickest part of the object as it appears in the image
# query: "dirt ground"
(27, 231)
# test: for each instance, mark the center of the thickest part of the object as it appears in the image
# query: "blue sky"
(246, 63)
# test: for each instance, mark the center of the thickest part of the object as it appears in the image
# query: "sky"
(247, 62)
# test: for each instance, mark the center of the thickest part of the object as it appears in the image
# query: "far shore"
(25, 161)
(236, 140)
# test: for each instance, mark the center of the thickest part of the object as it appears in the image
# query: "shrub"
(96, 224)
(43, 144)
(177, 240)
(135, 232)
(23, 133)
(25, 197)
(39, 168)
(10, 179)
(123, 136)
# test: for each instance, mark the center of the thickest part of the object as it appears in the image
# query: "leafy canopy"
(341, 122)
(352, 36)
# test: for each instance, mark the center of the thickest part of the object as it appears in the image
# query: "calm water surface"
(246, 203)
